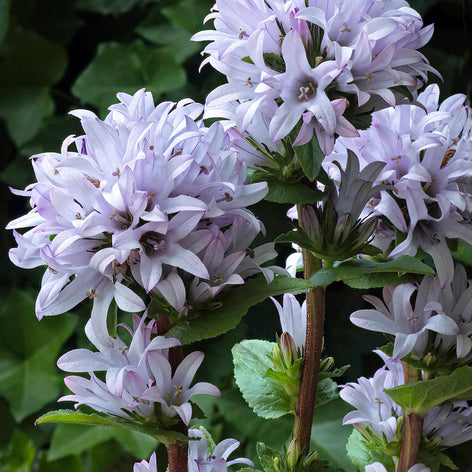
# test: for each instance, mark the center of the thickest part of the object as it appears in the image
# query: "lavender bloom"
(144, 466)
(374, 408)
(137, 377)
(296, 51)
(202, 459)
(427, 154)
(450, 424)
(378, 467)
(455, 300)
(292, 317)
(133, 204)
(408, 321)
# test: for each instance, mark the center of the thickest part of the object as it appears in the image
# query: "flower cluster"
(202, 457)
(306, 61)
(447, 424)
(138, 377)
(424, 317)
(150, 196)
(427, 151)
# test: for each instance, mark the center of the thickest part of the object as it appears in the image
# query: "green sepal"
(151, 428)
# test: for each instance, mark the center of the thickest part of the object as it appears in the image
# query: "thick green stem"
(412, 430)
(315, 309)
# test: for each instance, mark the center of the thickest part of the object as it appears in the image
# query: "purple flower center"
(152, 243)
(307, 92)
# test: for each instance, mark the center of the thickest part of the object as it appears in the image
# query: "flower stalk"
(313, 346)
(412, 431)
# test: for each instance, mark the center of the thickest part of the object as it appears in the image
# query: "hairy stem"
(177, 453)
(315, 309)
(412, 430)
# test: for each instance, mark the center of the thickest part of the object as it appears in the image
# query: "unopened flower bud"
(293, 454)
(289, 349)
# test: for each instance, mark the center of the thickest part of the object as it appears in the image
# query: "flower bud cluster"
(149, 197)
(427, 152)
(139, 380)
(201, 456)
(307, 61)
(375, 413)
(434, 324)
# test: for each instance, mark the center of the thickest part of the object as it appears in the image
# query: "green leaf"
(4, 18)
(188, 15)
(310, 157)
(28, 372)
(296, 193)
(329, 436)
(20, 453)
(360, 272)
(127, 68)
(111, 7)
(268, 457)
(362, 453)
(69, 440)
(162, 435)
(265, 396)
(421, 397)
(69, 464)
(326, 391)
(73, 439)
(168, 35)
(209, 323)
(25, 98)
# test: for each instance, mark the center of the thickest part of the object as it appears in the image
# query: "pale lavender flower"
(132, 204)
(294, 262)
(408, 321)
(145, 466)
(137, 377)
(374, 408)
(378, 467)
(202, 459)
(450, 422)
(173, 391)
(292, 317)
(427, 153)
(455, 301)
(304, 54)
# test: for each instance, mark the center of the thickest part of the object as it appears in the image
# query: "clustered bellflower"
(427, 151)
(138, 378)
(306, 61)
(148, 197)
(202, 457)
(449, 424)
(424, 317)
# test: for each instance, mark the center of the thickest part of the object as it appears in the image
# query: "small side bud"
(293, 453)
(289, 349)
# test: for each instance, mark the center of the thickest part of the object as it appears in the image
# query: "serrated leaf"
(296, 193)
(357, 272)
(310, 156)
(204, 324)
(127, 68)
(265, 396)
(162, 435)
(421, 397)
(25, 98)
(362, 453)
